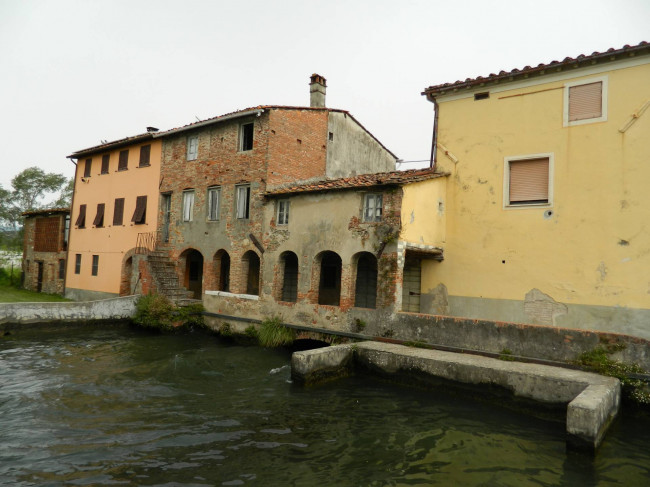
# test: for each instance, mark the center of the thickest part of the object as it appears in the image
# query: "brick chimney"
(317, 89)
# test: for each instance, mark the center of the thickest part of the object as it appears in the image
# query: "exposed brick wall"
(43, 243)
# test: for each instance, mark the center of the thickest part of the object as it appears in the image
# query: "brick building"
(214, 175)
(44, 249)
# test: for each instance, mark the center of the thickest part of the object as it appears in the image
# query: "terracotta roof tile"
(45, 211)
(642, 48)
(394, 178)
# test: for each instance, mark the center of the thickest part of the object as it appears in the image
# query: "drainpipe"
(434, 141)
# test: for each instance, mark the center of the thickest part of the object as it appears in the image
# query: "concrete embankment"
(592, 401)
(20, 315)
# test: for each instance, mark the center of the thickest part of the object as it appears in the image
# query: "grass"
(10, 294)
(273, 333)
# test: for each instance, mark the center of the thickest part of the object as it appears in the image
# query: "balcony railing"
(147, 242)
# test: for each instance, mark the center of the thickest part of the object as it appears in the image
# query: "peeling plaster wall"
(424, 213)
(351, 150)
(587, 263)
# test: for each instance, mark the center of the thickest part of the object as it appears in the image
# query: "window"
(118, 212)
(289, 292)
(188, 205)
(77, 264)
(243, 201)
(528, 180)
(283, 212)
(585, 101)
(481, 96)
(81, 219)
(88, 167)
(140, 213)
(372, 207)
(246, 137)
(214, 197)
(192, 147)
(105, 159)
(66, 232)
(99, 217)
(61, 268)
(95, 267)
(123, 163)
(145, 152)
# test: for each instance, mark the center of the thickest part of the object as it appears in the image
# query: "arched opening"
(221, 269)
(329, 287)
(125, 278)
(193, 279)
(289, 263)
(251, 272)
(365, 288)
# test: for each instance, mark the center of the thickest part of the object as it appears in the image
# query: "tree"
(29, 188)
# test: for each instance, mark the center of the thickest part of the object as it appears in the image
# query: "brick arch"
(326, 278)
(127, 287)
(287, 272)
(220, 274)
(250, 273)
(191, 264)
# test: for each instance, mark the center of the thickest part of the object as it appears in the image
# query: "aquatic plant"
(158, 312)
(273, 333)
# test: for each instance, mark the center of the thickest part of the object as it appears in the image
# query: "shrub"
(158, 312)
(273, 333)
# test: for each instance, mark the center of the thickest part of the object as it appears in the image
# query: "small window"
(372, 208)
(283, 212)
(81, 218)
(99, 217)
(140, 213)
(192, 147)
(527, 181)
(214, 199)
(243, 201)
(105, 160)
(77, 264)
(61, 268)
(88, 168)
(123, 163)
(95, 267)
(145, 153)
(66, 231)
(481, 96)
(246, 137)
(188, 205)
(118, 212)
(585, 101)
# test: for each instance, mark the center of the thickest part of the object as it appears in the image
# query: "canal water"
(125, 407)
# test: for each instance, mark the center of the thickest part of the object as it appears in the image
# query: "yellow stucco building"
(115, 199)
(547, 203)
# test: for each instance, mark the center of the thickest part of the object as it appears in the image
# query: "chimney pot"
(152, 129)
(317, 91)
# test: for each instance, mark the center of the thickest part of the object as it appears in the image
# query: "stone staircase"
(163, 270)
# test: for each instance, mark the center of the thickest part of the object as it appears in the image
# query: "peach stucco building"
(115, 200)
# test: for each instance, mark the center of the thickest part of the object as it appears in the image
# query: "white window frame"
(374, 197)
(603, 115)
(283, 212)
(192, 147)
(188, 205)
(506, 181)
(214, 192)
(242, 208)
(241, 136)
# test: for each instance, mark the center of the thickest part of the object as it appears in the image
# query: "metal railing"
(147, 242)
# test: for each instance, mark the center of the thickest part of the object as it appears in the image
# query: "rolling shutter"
(529, 181)
(585, 101)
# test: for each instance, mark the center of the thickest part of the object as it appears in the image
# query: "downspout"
(434, 141)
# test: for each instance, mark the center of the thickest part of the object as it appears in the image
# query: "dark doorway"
(39, 281)
(194, 273)
(251, 266)
(329, 289)
(222, 270)
(289, 277)
(365, 290)
(411, 285)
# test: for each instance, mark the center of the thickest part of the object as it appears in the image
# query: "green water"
(124, 407)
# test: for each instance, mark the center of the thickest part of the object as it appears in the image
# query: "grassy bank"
(10, 291)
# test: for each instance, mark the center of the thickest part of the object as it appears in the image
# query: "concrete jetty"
(592, 400)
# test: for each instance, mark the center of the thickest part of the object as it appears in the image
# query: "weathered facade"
(213, 219)
(547, 199)
(44, 249)
(114, 202)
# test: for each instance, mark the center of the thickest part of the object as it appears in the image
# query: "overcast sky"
(75, 72)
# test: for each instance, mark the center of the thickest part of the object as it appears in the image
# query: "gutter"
(209, 122)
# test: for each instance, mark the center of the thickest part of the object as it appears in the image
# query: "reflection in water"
(104, 407)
